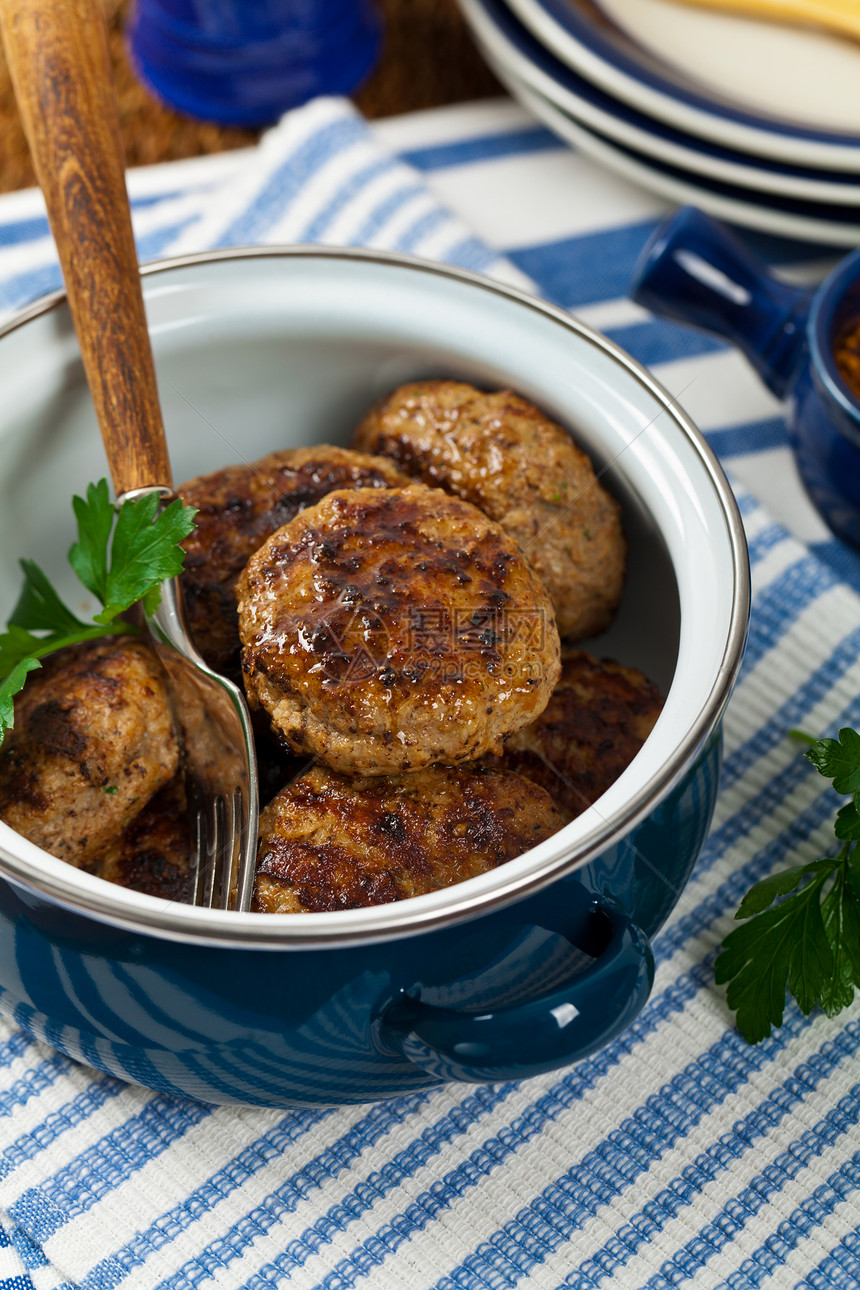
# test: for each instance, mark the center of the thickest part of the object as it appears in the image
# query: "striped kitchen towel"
(676, 1156)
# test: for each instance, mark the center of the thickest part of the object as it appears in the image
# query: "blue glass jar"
(245, 62)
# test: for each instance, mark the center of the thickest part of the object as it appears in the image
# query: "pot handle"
(540, 1035)
(693, 270)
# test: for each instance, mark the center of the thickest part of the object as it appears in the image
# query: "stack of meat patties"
(403, 615)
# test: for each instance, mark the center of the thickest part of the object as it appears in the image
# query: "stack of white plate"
(756, 122)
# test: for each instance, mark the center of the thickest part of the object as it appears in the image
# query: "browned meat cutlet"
(388, 629)
(237, 509)
(93, 741)
(328, 842)
(499, 452)
(153, 853)
(598, 718)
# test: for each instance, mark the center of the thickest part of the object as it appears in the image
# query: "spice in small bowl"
(847, 355)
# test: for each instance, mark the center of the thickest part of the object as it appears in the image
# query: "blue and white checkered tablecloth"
(676, 1156)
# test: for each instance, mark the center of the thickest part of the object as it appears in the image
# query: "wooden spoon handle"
(58, 57)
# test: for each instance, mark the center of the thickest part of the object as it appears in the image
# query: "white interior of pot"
(258, 353)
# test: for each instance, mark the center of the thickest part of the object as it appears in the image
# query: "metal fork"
(57, 51)
(220, 762)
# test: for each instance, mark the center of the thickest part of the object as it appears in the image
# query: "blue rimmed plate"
(789, 94)
(507, 42)
(805, 221)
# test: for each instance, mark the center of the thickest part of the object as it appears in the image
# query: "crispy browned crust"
(153, 853)
(328, 842)
(388, 629)
(499, 452)
(93, 741)
(237, 509)
(598, 718)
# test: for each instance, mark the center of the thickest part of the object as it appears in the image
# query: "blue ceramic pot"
(693, 270)
(522, 970)
(527, 989)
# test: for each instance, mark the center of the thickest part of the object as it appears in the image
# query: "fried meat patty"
(93, 741)
(598, 718)
(153, 852)
(499, 452)
(387, 629)
(237, 509)
(328, 842)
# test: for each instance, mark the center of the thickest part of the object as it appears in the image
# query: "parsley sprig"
(121, 556)
(808, 942)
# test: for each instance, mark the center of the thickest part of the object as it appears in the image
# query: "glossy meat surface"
(328, 842)
(499, 452)
(598, 718)
(93, 741)
(237, 509)
(385, 630)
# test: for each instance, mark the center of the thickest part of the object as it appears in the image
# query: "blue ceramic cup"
(244, 64)
(693, 270)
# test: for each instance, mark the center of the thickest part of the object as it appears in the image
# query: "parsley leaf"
(847, 826)
(839, 760)
(88, 556)
(779, 947)
(765, 892)
(144, 550)
(12, 685)
(841, 913)
(16, 644)
(801, 932)
(39, 608)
